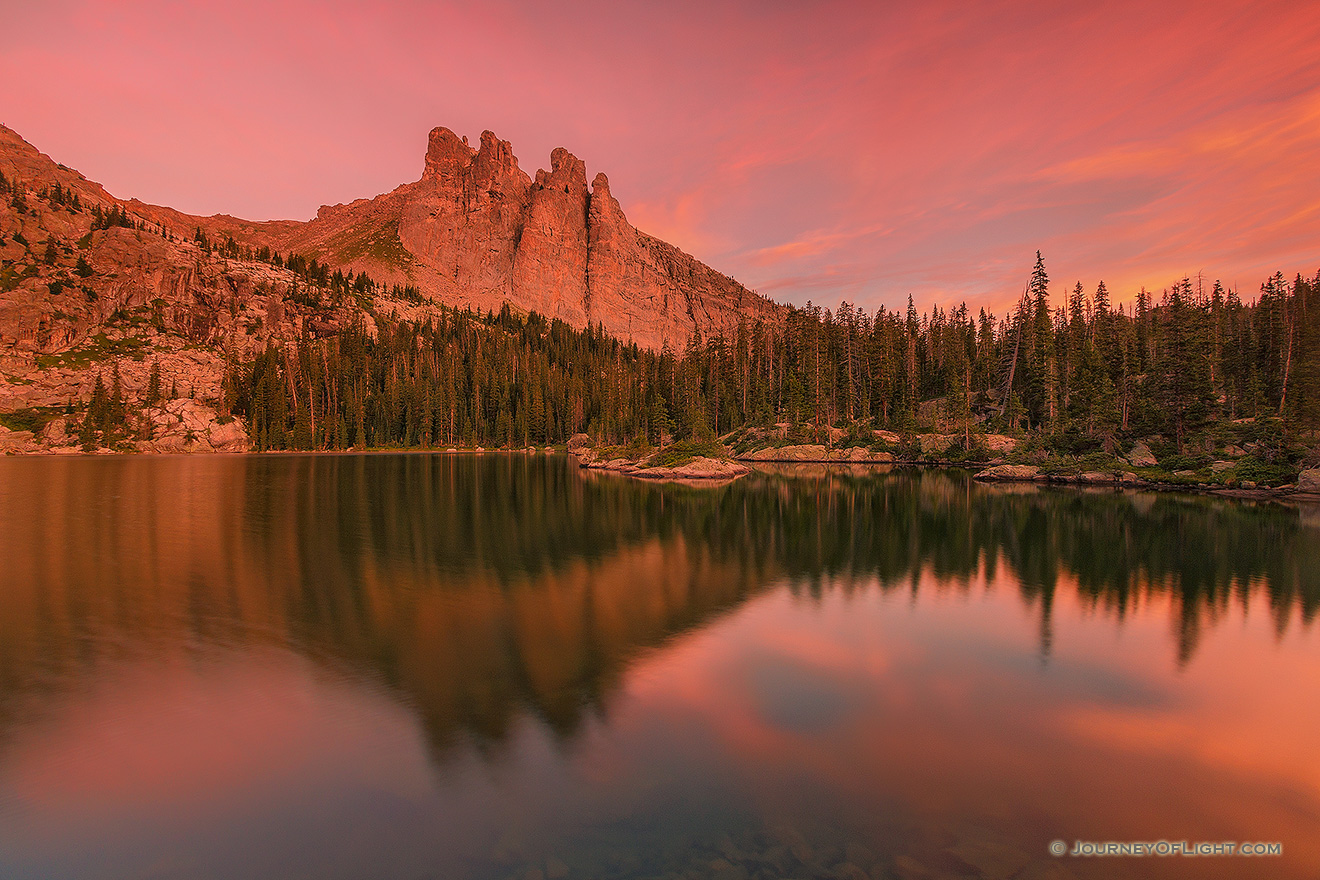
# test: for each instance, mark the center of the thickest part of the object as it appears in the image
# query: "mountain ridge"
(476, 230)
(98, 291)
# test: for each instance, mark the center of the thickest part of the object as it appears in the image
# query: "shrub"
(1076, 443)
(682, 452)
(1188, 462)
(1263, 472)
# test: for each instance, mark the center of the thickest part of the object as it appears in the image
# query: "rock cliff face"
(86, 293)
(89, 294)
(476, 230)
(463, 218)
(550, 266)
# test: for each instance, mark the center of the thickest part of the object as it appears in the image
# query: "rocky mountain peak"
(567, 173)
(474, 230)
(446, 154)
(495, 163)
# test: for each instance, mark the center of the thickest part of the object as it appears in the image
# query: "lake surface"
(457, 666)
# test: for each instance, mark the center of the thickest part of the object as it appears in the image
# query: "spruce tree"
(1184, 391)
(153, 385)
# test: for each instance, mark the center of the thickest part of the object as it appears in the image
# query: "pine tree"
(1303, 403)
(153, 385)
(1042, 372)
(1185, 393)
(98, 409)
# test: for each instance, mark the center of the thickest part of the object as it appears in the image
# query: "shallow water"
(499, 666)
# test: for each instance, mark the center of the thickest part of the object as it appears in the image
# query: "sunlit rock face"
(463, 217)
(550, 265)
(83, 299)
(476, 230)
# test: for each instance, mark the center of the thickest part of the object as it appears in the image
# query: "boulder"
(699, 468)
(805, 452)
(55, 432)
(859, 455)
(229, 437)
(1141, 456)
(187, 425)
(1010, 473)
(937, 444)
(1309, 481)
(999, 444)
(16, 441)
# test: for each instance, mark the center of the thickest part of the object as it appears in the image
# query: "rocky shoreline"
(1307, 487)
(926, 452)
(698, 469)
(186, 426)
(175, 426)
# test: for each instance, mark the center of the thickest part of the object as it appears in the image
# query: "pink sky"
(818, 151)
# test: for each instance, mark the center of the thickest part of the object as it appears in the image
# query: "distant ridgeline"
(1083, 377)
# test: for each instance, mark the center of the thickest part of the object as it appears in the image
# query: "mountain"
(94, 287)
(476, 230)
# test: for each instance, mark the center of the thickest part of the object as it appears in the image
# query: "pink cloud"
(928, 149)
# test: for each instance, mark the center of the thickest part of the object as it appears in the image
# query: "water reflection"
(792, 660)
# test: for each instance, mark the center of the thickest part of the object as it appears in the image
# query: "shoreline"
(703, 470)
(697, 470)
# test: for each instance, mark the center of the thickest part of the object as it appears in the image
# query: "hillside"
(475, 230)
(93, 286)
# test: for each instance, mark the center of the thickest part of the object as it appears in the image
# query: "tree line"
(1079, 373)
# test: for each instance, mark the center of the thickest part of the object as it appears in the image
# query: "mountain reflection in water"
(478, 595)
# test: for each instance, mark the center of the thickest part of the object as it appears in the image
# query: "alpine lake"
(496, 666)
